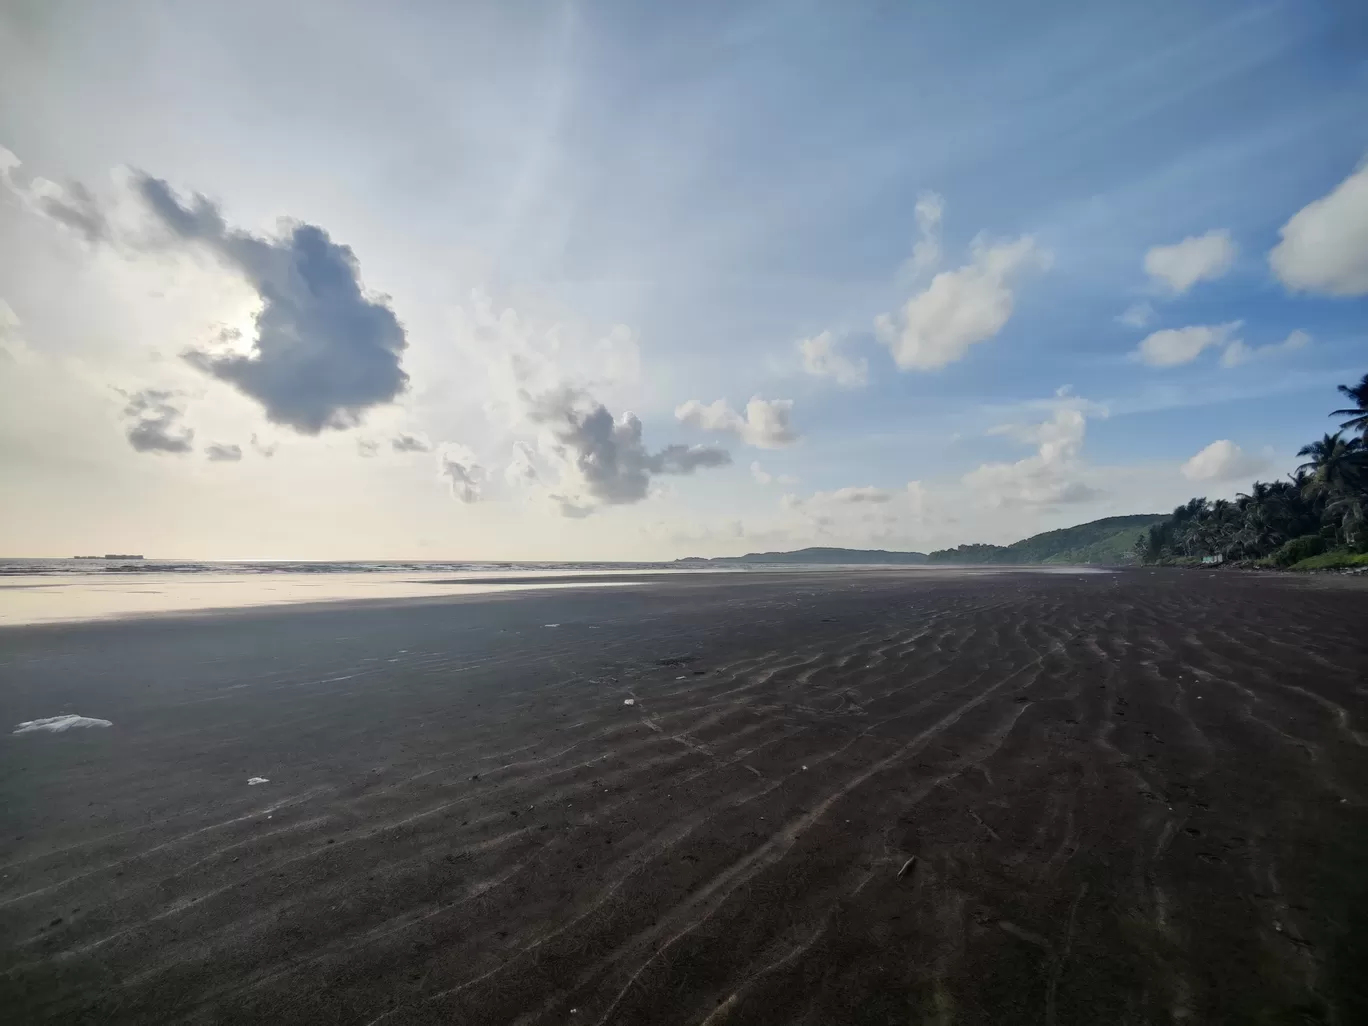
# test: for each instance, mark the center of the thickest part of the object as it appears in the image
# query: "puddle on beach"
(40, 599)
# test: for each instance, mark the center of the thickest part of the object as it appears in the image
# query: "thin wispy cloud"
(824, 356)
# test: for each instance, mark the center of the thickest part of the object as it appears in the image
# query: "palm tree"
(1358, 413)
(1335, 466)
(1350, 512)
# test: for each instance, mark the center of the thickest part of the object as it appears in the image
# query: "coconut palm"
(1358, 413)
(1334, 467)
(1350, 515)
(1327, 496)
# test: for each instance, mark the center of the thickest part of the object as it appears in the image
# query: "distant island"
(110, 555)
(1110, 540)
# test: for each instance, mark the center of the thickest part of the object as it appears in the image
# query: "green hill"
(1107, 541)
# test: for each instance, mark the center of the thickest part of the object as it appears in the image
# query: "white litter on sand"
(57, 724)
(550, 625)
(629, 701)
(256, 780)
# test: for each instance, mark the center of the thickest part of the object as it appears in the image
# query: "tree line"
(1322, 506)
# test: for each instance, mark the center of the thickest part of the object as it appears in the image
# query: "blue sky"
(633, 206)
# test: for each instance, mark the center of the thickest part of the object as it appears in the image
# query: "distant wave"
(49, 567)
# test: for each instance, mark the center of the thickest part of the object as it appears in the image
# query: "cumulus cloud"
(1222, 461)
(156, 423)
(71, 205)
(1174, 346)
(1196, 258)
(404, 442)
(1053, 475)
(325, 351)
(221, 453)
(1137, 315)
(1237, 352)
(823, 358)
(602, 460)
(766, 423)
(458, 467)
(960, 308)
(1324, 245)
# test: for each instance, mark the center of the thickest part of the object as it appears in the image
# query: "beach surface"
(923, 796)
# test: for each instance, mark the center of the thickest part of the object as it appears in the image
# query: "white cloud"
(764, 477)
(458, 467)
(12, 343)
(926, 251)
(1053, 475)
(1324, 246)
(1174, 346)
(522, 467)
(1222, 461)
(1237, 352)
(959, 308)
(916, 497)
(1196, 258)
(766, 424)
(822, 357)
(1137, 315)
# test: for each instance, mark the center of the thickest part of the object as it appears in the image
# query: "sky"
(611, 280)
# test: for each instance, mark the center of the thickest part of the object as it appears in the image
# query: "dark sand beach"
(881, 797)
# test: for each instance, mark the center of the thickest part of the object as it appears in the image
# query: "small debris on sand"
(907, 867)
(629, 701)
(253, 781)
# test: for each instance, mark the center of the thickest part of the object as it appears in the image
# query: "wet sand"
(886, 797)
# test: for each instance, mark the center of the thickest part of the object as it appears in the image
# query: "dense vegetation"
(1317, 518)
(1102, 541)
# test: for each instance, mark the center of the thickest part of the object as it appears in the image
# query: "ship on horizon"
(111, 555)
